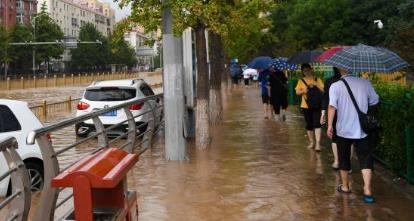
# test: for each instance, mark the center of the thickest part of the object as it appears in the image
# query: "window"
(20, 19)
(8, 122)
(110, 94)
(19, 4)
(146, 90)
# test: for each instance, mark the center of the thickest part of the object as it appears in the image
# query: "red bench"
(99, 186)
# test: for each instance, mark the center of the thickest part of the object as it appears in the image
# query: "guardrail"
(19, 199)
(138, 142)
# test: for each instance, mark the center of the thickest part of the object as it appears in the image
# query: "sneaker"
(335, 166)
(283, 117)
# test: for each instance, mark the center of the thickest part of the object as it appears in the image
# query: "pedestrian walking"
(311, 89)
(246, 78)
(264, 89)
(345, 97)
(325, 102)
(278, 93)
(234, 72)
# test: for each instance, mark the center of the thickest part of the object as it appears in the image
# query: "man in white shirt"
(348, 128)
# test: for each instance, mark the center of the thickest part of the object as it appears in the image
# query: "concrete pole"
(175, 146)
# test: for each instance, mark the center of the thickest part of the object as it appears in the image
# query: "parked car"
(103, 94)
(17, 120)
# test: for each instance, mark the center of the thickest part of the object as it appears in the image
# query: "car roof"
(117, 83)
(13, 102)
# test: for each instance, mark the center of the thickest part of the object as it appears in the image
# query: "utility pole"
(175, 145)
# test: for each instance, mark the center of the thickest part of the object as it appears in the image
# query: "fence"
(51, 199)
(19, 199)
(67, 80)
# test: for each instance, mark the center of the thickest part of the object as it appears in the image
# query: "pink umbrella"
(328, 53)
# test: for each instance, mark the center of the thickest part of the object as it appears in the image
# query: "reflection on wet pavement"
(255, 169)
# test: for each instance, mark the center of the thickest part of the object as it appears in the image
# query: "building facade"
(14, 12)
(70, 15)
(136, 37)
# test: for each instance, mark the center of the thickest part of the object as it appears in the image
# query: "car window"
(110, 94)
(8, 122)
(146, 90)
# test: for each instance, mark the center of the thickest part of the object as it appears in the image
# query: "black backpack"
(314, 95)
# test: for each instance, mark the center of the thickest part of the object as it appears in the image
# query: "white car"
(17, 120)
(103, 94)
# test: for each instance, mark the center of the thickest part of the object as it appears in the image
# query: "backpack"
(315, 96)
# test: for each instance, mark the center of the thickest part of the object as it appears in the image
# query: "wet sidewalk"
(256, 169)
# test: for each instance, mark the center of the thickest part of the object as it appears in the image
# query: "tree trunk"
(202, 117)
(216, 106)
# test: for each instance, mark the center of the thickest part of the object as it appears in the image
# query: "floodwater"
(254, 169)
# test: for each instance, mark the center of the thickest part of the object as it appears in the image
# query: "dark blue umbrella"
(262, 62)
(281, 64)
(305, 57)
(363, 58)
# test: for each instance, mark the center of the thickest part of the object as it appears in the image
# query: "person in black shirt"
(278, 93)
(325, 102)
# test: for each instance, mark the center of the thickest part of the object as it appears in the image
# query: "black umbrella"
(305, 57)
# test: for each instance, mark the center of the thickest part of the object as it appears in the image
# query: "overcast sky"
(120, 13)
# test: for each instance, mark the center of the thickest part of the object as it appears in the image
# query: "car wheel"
(36, 176)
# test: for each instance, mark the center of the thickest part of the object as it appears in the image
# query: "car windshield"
(110, 94)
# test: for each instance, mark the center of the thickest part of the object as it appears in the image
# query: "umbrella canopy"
(304, 57)
(262, 62)
(281, 64)
(250, 72)
(363, 58)
(328, 53)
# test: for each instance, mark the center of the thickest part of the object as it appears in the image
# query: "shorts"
(312, 118)
(265, 99)
(363, 149)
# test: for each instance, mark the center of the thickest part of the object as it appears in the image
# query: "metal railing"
(19, 200)
(135, 141)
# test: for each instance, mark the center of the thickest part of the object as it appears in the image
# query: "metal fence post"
(22, 82)
(73, 79)
(409, 148)
(79, 76)
(45, 77)
(44, 109)
(69, 104)
(54, 80)
(8, 83)
(64, 80)
(34, 82)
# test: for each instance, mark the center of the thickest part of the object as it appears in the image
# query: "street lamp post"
(33, 21)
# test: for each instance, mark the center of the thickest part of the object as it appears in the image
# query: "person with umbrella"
(262, 64)
(349, 99)
(278, 92)
(311, 89)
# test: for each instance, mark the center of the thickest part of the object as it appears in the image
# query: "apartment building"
(70, 15)
(136, 37)
(14, 12)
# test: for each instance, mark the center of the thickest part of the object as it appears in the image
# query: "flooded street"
(254, 169)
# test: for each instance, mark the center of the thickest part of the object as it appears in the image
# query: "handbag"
(314, 96)
(369, 123)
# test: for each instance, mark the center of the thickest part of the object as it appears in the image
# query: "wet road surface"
(256, 169)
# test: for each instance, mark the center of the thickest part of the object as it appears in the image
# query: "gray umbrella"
(363, 58)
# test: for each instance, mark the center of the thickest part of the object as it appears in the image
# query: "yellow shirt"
(300, 86)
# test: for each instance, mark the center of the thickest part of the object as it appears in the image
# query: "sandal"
(340, 190)
(368, 199)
